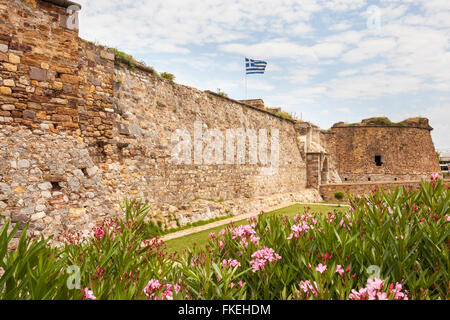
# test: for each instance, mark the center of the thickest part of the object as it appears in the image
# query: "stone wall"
(79, 132)
(150, 109)
(405, 150)
(38, 66)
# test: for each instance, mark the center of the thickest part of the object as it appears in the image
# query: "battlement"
(421, 123)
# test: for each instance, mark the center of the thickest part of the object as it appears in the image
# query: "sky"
(328, 61)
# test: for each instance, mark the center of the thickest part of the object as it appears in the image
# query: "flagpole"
(245, 75)
(245, 85)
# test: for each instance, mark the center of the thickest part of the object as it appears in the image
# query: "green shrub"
(168, 76)
(220, 92)
(122, 57)
(399, 237)
(339, 195)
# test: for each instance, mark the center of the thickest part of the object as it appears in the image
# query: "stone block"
(38, 74)
(8, 107)
(69, 78)
(14, 59)
(28, 114)
(10, 67)
(92, 171)
(38, 216)
(45, 186)
(4, 188)
(54, 177)
(9, 83)
(61, 118)
(5, 91)
(107, 55)
(23, 164)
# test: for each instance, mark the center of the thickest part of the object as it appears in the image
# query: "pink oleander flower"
(382, 295)
(234, 263)
(242, 231)
(262, 256)
(447, 217)
(222, 232)
(254, 239)
(89, 294)
(307, 287)
(221, 244)
(212, 235)
(231, 262)
(154, 286)
(231, 284)
(434, 176)
(339, 269)
(321, 268)
(300, 228)
(375, 290)
(99, 233)
(240, 283)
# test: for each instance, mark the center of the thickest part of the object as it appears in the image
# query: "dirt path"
(211, 225)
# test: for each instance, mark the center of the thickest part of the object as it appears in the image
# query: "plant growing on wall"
(220, 92)
(168, 76)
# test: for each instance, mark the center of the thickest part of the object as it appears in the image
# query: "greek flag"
(255, 66)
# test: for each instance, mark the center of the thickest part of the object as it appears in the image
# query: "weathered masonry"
(379, 150)
(80, 130)
(377, 153)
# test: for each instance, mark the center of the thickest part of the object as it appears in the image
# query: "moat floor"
(199, 235)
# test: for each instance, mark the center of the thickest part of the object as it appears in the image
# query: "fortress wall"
(407, 152)
(152, 109)
(38, 66)
(78, 134)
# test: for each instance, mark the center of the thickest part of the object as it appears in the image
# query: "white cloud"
(343, 110)
(300, 75)
(259, 85)
(282, 48)
(344, 5)
(340, 26)
(371, 86)
(146, 23)
(438, 116)
(369, 49)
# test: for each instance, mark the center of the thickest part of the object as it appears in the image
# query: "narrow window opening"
(84, 170)
(368, 179)
(56, 186)
(345, 179)
(378, 161)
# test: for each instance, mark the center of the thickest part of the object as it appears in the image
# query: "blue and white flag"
(254, 66)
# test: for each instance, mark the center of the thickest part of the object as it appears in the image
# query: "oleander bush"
(388, 245)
